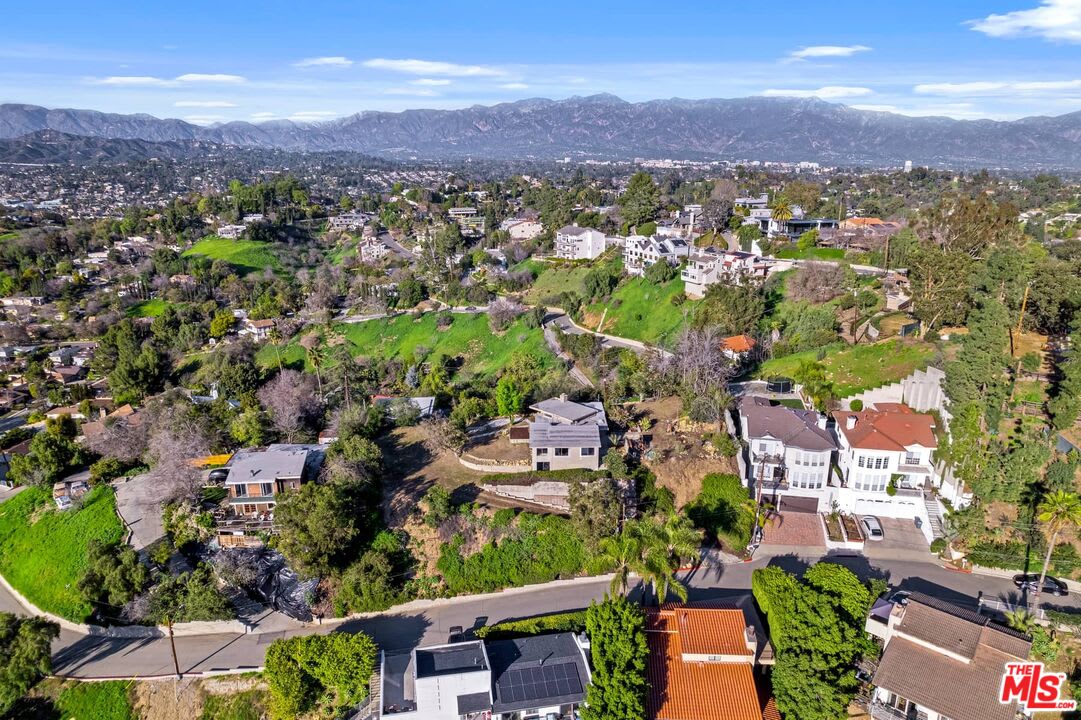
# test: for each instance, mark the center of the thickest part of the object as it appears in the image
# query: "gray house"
(566, 435)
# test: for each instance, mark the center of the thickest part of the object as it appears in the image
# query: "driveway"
(792, 531)
(140, 507)
(901, 539)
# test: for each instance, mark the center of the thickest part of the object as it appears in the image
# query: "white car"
(872, 528)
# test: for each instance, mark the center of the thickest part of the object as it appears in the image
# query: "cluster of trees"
(53, 454)
(25, 655)
(816, 628)
(619, 653)
(328, 673)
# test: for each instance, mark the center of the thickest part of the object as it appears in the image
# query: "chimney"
(563, 397)
(821, 421)
(850, 422)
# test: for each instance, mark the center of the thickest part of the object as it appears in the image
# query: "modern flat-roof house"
(640, 252)
(701, 663)
(709, 266)
(887, 444)
(543, 676)
(789, 454)
(566, 434)
(942, 662)
(256, 478)
(579, 243)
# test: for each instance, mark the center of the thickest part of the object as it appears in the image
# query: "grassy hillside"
(148, 308)
(640, 310)
(468, 338)
(813, 253)
(245, 255)
(859, 367)
(43, 550)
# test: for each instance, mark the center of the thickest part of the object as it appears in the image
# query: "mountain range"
(594, 127)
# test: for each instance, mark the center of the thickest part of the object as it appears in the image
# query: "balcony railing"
(880, 711)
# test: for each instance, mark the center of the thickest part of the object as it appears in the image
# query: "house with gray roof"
(565, 434)
(579, 243)
(544, 676)
(788, 454)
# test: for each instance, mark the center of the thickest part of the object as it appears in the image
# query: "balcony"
(880, 711)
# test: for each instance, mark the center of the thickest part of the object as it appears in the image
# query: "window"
(250, 509)
(588, 452)
(563, 452)
(912, 458)
(542, 451)
(240, 491)
(861, 461)
(266, 489)
(880, 463)
(762, 447)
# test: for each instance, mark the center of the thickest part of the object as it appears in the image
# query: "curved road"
(427, 622)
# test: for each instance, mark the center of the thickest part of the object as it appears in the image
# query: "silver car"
(872, 528)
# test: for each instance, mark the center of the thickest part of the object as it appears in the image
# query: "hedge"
(574, 621)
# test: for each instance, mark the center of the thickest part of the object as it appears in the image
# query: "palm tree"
(681, 540)
(1059, 511)
(782, 211)
(658, 572)
(1021, 620)
(624, 552)
(311, 344)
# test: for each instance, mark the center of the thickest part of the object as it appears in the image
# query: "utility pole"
(172, 645)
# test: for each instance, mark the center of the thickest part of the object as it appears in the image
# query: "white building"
(640, 252)
(372, 250)
(349, 221)
(709, 266)
(579, 243)
(522, 229)
(231, 232)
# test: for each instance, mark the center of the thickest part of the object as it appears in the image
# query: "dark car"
(218, 475)
(1051, 585)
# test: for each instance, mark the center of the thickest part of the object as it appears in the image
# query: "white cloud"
(983, 87)
(204, 104)
(429, 82)
(213, 78)
(1051, 20)
(333, 61)
(514, 86)
(263, 116)
(430, 67)
(411, 91)
(186, 79)
(821, 51)
(828, 92)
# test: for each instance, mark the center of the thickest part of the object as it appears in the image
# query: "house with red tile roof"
(702, 661)
(886, 458)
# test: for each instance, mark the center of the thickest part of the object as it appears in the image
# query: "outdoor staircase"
(934, 514)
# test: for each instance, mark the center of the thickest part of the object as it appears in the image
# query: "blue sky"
(216, 61)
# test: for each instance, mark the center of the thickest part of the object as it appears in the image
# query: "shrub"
(331, 670)
(562, 622)
(723, 510)
(1018, 555)
(938, 545)
(856, 405)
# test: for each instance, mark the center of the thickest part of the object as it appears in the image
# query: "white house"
(640, 252)
(372, 250)
(579, 243)
(231, 232)
(519, 229)
(789, 454)
(349, 221)
(886, 458)
(709, 266)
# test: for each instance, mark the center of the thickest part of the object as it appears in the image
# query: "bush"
(107, 469)
(562, 622)
(97, 700)
(724, 511)
(856, 405)
(1018, 555)
(1030, 362)
(326, 670)
(938, 545)
(725, 444)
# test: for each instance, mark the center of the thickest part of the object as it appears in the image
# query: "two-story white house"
(372, 250)
(886, 458)
(579, 243)
(640, 252)
(565, 434)
(709, 266)
(788, 454)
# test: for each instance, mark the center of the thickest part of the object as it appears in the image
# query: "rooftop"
(795, 428)
(537, 671)
(889, 426)
(545, 434)
(451, 659)
(276, 461)
(566, 410)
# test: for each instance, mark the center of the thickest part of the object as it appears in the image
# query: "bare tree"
(291, 400)
(701, 370)
(502, 313)
(816, 282)
(718, 207)
(176, 438)
(439, 435)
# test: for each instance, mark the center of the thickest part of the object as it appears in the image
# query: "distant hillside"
(51, 147)
(603, 126)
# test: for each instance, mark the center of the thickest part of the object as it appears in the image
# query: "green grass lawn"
(814, 253)
(148, 308)
(556, 280)
(640, 310)
(245, 255)
(854, 369)
(247, 705)
(468, 337)
(43, 550)
(95, 701)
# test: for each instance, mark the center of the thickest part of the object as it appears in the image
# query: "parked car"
(900, 597)
(1051, 585)
(218, 475)
(872, 528)
(456, 634)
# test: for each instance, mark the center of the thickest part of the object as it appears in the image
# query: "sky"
(208, 62)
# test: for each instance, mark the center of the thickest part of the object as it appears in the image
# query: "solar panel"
(546, 681)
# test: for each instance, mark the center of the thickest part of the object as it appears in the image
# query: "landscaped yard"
(553, 281)
(642, 311)
(148, 308)
(43, 550)
(814, 253)
(860, 367)
(467, 337)
(245, 255)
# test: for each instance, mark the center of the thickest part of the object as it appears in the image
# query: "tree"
(1059, 512)
(25, 655)
(317, 526)
(979, 372)
(732, 309)
(312, 346)
(816, 282)
(816, 385)
(508, 397)
(717, 209)
(221, 324)
(189, 597)
(619, 652)
(596, 510)
(310, 670)
(292, 403)
(782, 211)
(641, 199)
(113, 576)
(623, 552)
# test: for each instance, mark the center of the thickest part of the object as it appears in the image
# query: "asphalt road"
(428, 623)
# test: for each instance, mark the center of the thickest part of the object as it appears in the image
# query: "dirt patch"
(499, 447)
(168, 700)
(680, 454)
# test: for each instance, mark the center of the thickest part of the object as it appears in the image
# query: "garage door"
(797, 504)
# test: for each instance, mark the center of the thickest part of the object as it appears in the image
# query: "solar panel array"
(546, 681)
